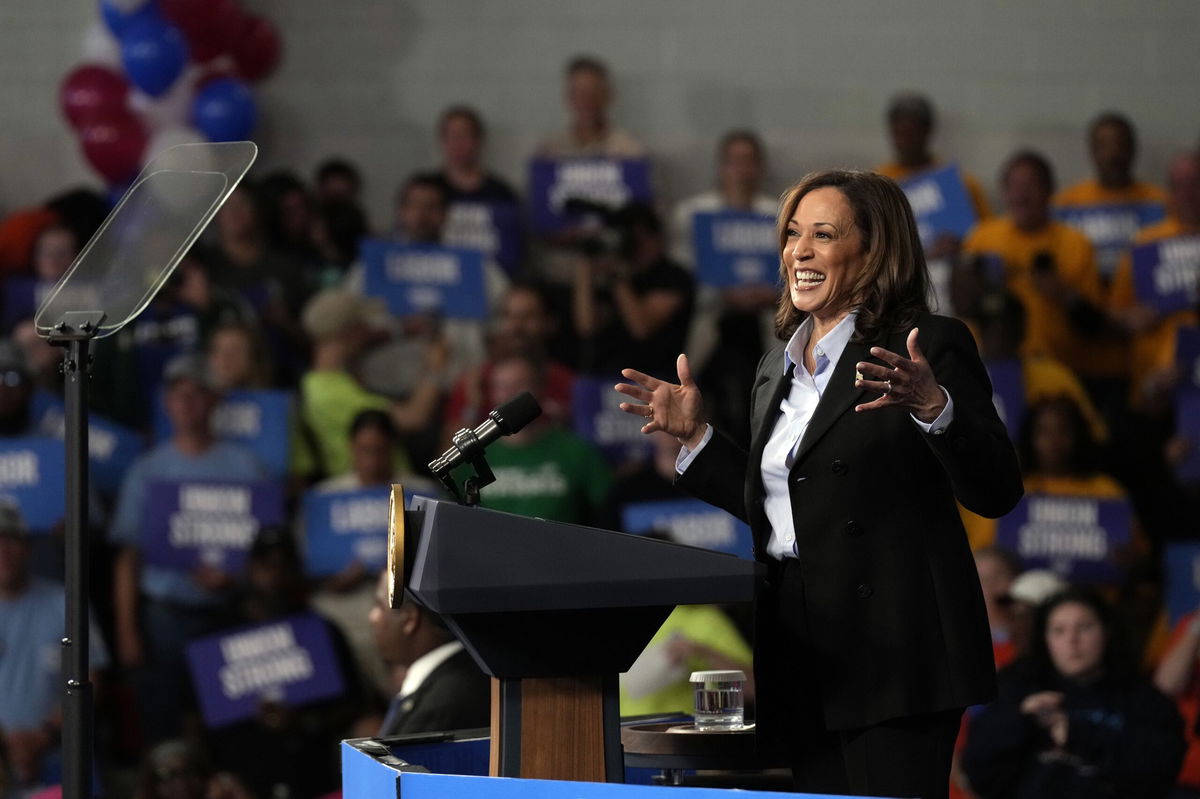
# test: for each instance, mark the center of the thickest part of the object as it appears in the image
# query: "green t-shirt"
(704, 624)
(329, 401)
(559, 477)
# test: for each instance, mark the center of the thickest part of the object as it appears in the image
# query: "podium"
(553, 612)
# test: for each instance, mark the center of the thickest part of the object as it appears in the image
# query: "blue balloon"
(225, 110)
(154, 54)
(118, 19)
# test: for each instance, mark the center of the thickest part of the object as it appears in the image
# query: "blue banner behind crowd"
(207, 522)
(341, 527)
(735, 249)
(597, 418)
(690, 521)
(33, 476)
(1187, 357)
(493, 229)
(1111, 228)
(260, 419)
(289, 662)
(601, 181)
(1181, 565)
(940, 202)
(1165, 273)
(1078, 537)
(426, 278)
(1008, 393)
(112, 448)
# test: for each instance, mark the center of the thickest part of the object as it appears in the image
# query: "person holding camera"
(631, 304)
(1051, 268)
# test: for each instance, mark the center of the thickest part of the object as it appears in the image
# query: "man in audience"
(442, 687)
(463, 176)
(338, 179)
(543, 470)
(31, 633)
(525, 323)
(1051, 268)
(911, 123)
(632, 305)
(1112, 143)
(159, 609)
(589, 96)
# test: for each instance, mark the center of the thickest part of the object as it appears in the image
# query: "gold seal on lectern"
(395, 558)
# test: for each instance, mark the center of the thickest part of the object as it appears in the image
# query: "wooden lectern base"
(555, 729)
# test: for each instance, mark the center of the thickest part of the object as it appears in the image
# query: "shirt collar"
(830, 346)
(423, 666)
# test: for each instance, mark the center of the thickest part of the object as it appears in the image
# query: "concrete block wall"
(366, 79)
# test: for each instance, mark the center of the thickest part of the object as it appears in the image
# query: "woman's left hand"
(907, 382)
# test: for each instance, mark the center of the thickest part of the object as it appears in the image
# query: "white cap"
(1036, 586)
(718, 676)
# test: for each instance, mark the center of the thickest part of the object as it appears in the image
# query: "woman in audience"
(1073, 719)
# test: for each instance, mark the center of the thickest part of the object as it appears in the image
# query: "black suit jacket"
(455, 696)
(892, 599)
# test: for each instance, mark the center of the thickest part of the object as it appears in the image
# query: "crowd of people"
(275, 299)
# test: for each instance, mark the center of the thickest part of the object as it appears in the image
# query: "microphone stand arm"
(473, 452)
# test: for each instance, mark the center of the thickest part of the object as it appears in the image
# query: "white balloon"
(173, 108)
(101, 47)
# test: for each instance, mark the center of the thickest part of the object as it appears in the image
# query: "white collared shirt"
(796, 412)
(422, 667)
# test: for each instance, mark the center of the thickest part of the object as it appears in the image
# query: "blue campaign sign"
(1187, 426)
(493, 229)
(1165, 273)
(426, 278)
(33, 476)
(1008, 392)
(111, 447)
(608, 182)
(692, 522)
(259, 419)
(597, 418)
(940, 203)
(189, 523)
(1187, 356)
(735, 248)
(1181, 565)
(1078, 537)
(291, 662)
(1111, 227)
(341, 527)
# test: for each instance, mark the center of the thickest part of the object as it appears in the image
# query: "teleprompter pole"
(75, 333)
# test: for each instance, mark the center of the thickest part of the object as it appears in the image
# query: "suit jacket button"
(838, 467)
(865, 591)
(853, 528)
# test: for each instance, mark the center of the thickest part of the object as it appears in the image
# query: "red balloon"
(114, 147)
(92, 93)
(210, 26)
(257, 48)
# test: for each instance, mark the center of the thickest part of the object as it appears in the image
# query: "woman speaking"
(872, 419)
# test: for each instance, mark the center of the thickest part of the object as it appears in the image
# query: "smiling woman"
(872, 631)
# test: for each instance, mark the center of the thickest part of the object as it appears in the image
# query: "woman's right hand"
(677, 410)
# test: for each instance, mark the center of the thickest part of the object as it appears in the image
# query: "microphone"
(510, 417)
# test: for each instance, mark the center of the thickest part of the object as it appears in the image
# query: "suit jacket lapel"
(774, 384)
(839, 394)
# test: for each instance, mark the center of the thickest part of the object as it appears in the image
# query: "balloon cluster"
(162, 72)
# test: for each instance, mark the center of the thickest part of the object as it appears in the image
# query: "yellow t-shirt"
(1047, 327)
(1111, 230)
(1153, 349)
(898, 172)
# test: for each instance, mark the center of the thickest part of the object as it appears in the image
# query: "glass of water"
(719, 704)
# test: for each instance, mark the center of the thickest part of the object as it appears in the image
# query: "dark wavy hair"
(892, 289)
(1118, 662)
(1084, 460)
